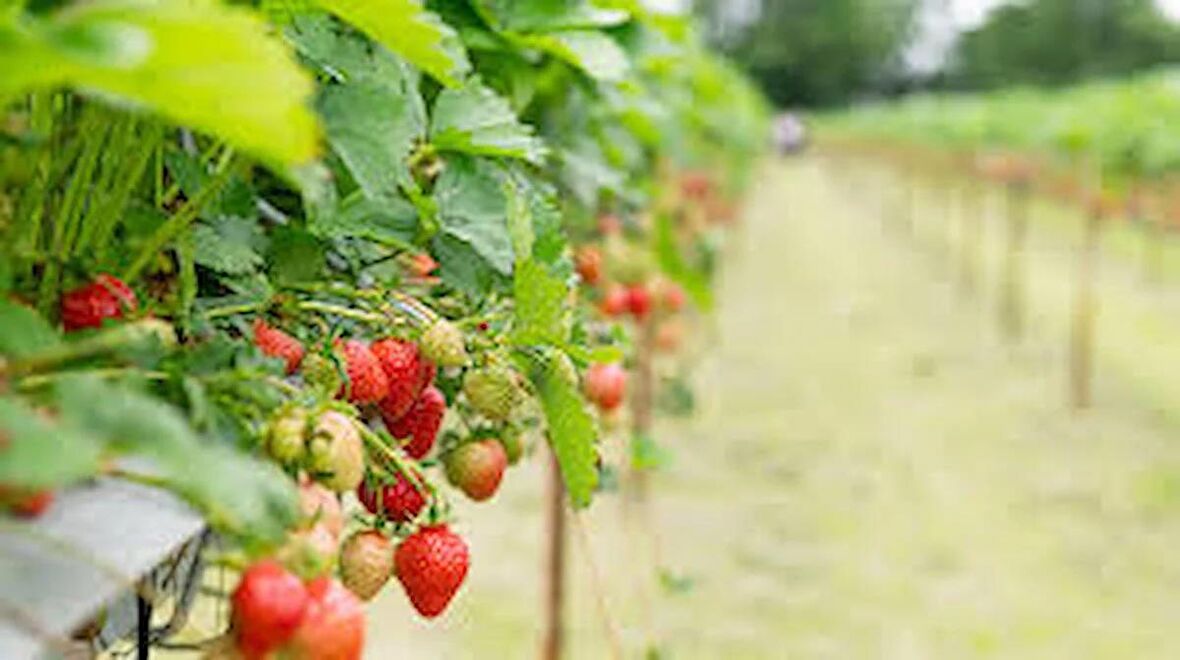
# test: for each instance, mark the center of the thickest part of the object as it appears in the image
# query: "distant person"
(790, 134)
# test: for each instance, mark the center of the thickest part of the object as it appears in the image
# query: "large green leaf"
(548, 15)
(372, 128)
(408, 29)
(473, 119)
(472, 206)
(201, 64)
(390, 221)
(37, 452)
(593, 52)
(570, 426)
(23, 331)
(540, 305)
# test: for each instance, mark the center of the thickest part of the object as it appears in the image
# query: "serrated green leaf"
(372, 128)
(595, 53)
(228, 245)
(547, 15)
(570, 427)
(205, 65)
(37, 452)
(462, 267)
(389, 221)
(472, 206)
(540, 306)
(294, 256)
(408, 29)
(475, 120)
(23, 331)
(596, 355)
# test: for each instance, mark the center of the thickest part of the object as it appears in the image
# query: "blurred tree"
(1061, 41)
(814, 52)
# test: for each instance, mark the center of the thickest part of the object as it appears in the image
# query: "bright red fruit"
(588, 261)
(407, 371)
(107, 297)
(278, 344)
(25, 504)
(400, 500)
(420, 425)
(334, 626)
(638, 301)
(615, 300)
(431, 565)
(606, 384)
(367, 382)
(423, 265)
(477, 468)
(269, 605)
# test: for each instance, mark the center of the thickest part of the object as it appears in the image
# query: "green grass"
(873, 472)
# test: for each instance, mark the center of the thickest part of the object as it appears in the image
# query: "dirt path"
(872, 475)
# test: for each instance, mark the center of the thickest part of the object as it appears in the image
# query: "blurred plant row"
(1110, 144)
(264, 256)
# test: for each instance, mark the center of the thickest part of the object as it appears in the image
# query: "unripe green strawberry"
(337, 452)
(443, 344)
(366, 563)
(285, 437)
(492, 391)
(477, 468)
(321, 374)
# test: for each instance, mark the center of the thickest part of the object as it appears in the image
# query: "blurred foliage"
(1061, 41)
(805, 52)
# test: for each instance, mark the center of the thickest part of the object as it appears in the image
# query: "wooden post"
(1081, 353)
(554, 596)
(970, 237)
(1012, 285)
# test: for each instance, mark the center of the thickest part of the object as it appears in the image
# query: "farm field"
(873, 472)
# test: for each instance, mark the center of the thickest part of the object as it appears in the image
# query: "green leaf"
(389, 221)
(695, 282)
(540, 306)
(462, 267)
(408, 29)
(596, 355)
(473, 119)
(228, 245)
(38, 452)
(201, 64)
(23, 331)
(372, 128)
(295, 256)
(472, 206)
(570, 427)
(547, 15)
(595, 53)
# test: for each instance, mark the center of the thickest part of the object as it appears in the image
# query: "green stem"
(99, 344)
(41, 380)
(231, 310)
(343, 312)
(399, 462)
(182, 218)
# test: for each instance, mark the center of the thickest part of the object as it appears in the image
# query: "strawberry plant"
(266, 254)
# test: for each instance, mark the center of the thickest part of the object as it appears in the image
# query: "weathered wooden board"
(94, 543)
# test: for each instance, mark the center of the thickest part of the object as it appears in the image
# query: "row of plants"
(304, 263)
(1111, 145)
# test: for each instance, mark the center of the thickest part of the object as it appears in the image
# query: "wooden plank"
(92, 546)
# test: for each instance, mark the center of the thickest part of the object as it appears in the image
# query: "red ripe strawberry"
(407, 371)
(423, 265)
(334, 626)
(23, 503)
(431, 565)
(638, 301)
(400, 501)
(106, 297)
(278, 344)
(669, 295)
(605, 385)
(269, 605)
(421, 423)
(366, 563)
(615, 300)
(588, 261)
(367, 382)
(477, 468)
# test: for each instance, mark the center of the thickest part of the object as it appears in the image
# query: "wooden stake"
(1012, 285)
(554, 596)
(1081, 354)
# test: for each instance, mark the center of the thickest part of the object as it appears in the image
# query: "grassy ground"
(873, 473)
